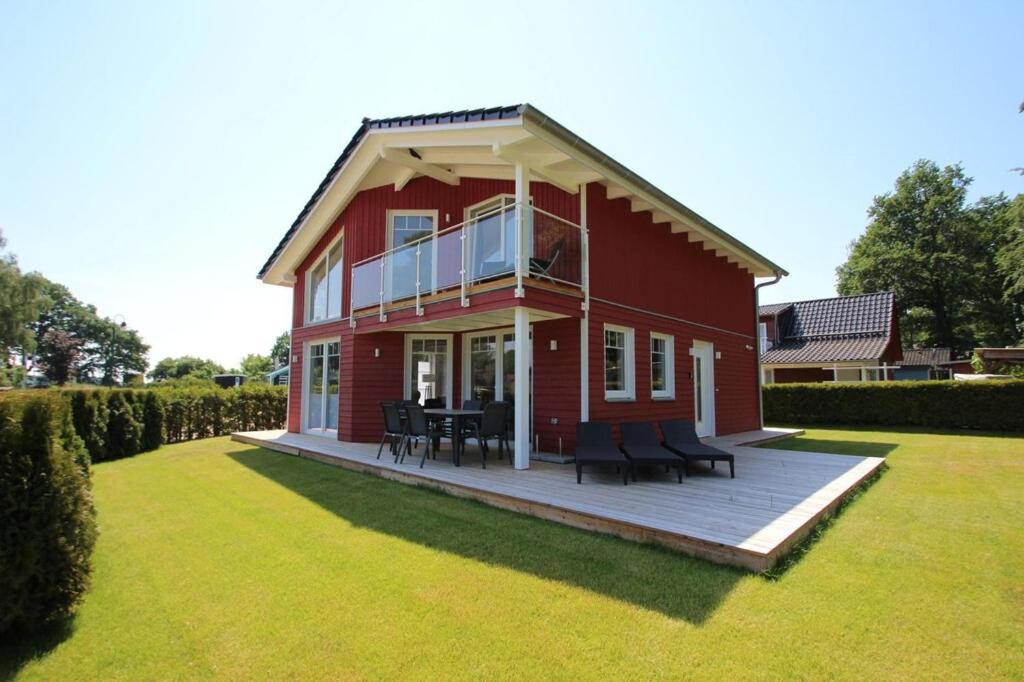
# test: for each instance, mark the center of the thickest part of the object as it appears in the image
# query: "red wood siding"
(674, 285)
(735, 372)
(637, 263)
(556, 383)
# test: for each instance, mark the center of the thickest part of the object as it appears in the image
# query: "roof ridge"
(841, 297)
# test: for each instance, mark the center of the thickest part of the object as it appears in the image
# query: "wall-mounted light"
(376, 352)
(554, 344)
(295, 357)
(718, 355)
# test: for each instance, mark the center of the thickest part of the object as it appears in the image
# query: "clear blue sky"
(152, 154)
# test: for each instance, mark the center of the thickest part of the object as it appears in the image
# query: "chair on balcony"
(542, 266)
(595, 446)
(394, 429)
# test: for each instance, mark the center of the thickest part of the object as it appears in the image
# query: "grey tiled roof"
(842, 329)
(925, 357)
(772, 308)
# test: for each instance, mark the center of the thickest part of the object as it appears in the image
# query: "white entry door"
(321, 388)
(703, 388)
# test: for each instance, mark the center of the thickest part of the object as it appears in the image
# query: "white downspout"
(757, 345)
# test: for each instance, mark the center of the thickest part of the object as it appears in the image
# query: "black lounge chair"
(681, 438)
(542, 266)
(640, 443)
(595, 446)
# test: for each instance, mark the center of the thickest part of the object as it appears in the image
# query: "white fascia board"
(347, 180)
(757, 268)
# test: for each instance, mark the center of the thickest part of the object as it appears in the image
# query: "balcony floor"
(750, 521)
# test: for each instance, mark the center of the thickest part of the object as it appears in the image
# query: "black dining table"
(456, 416)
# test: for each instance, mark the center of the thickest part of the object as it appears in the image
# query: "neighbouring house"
(229, 380)
(493, 254)
(846, 338)
(922, 364)
(279, 377)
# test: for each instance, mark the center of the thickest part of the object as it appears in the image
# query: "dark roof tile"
(841, 329)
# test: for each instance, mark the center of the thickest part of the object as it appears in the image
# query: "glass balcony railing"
(508, 242)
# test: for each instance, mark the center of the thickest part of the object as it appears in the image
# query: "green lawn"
(217, 559)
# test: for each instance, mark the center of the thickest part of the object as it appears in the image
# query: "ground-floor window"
(618, 363)
(491, 366)
(321, 397)
(662, 366)
(767, 376)
(428, 368)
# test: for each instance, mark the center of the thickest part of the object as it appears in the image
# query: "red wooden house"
(472, 253)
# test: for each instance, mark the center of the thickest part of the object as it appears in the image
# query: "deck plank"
(748, 521)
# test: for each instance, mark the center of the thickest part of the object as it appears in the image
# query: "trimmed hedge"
(47, 519)
(122, 422)
(985, 405)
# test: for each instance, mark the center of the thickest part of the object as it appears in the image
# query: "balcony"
(511, 245)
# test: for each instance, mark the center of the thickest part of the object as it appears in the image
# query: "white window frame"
(407, 368)
(304, 405)
(669, 392)
(307, 317)
(390, 243)
(767, 376)
(629, 393)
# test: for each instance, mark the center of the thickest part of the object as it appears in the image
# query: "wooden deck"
(750, 521)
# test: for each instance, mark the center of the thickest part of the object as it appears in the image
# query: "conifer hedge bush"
(47, 519)
(985, 405)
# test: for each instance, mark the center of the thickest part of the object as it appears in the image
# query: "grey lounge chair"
(640, 443)
(595, 446)
(681, 438)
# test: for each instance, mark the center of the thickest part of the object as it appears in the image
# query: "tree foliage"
(185, 366)
(938, 254)
(21, 301)
(75, 343)
(282, 349)
(255, 367)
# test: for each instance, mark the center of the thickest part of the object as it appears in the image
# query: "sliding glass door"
(428, 367)
(322, 388)
(490, 366)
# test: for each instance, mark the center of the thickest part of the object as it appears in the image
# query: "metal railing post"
(520, 246)
(383, 317)
(352, 298)
(419, 308)
(463, 298)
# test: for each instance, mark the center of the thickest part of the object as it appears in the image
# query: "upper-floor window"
(618, 363)
(662, 366)
(323, 286)
(408, 226)
(762, 336)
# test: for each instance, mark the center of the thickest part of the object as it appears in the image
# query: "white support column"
(522, 224)
(524, 358)
(585, 322)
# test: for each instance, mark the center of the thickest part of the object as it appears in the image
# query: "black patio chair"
(419, 427)
(595, 446)
(640, 443)
(681, 438)
(542, 266)
(394, 429)
(490, 427)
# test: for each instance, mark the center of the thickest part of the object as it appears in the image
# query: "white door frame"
(407, 367)
(705, 350)
(304, 398)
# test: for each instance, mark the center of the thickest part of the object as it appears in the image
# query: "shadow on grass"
(644, 575)
(860, 448)
(17, 650)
